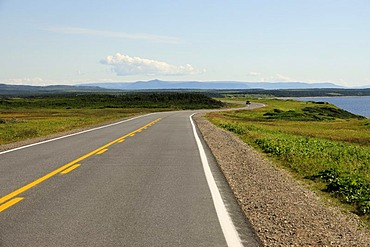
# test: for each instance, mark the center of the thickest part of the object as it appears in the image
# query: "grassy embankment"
(28, 117)
(325, 146)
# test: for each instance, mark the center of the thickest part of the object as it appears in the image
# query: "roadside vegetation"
(326, 146)
(24, 117)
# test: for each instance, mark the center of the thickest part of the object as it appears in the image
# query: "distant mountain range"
(158, 84)
(291, 89)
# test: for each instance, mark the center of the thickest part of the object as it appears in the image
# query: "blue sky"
(69, 42)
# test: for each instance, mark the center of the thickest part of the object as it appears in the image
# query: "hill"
(158, 84)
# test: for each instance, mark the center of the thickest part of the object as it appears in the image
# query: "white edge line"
(228, 228)
(78, 133)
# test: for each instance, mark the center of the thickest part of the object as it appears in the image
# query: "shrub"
(350, 188)
(233, 128)
(27, 133)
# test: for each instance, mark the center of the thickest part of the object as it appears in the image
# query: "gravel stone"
(281, 209)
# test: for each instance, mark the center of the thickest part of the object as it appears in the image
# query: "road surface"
(139, 182)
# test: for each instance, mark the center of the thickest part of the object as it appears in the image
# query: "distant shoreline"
(355, 106)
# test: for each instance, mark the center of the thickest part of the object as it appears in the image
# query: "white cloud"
(112, 34)
(257, 76)
(254, 74)
(283, 78)
(125, 65)
(27, 81)
(38, 81)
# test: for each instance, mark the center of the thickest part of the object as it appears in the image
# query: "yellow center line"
(10, 203)
(71, 168)
(102, 151)
(32, 184)
(60, 169)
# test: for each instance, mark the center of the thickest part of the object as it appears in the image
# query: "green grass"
(312, 140)
(22, 124)
(22, 118)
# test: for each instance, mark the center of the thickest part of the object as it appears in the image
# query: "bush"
(233, 128)
(350, 188)
(27, 133)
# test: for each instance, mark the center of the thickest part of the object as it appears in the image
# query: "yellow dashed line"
(10, 203)
(102, 151)
(9, 199)
(70, 169)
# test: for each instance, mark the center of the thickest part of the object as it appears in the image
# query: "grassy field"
(320, 143)
(22, 124)
(28, 117)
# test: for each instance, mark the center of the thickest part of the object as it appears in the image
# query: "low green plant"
(315, 141)
(233, 127)
(350, 188)
(312, 113)
(307, 155)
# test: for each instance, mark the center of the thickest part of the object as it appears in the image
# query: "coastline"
(348, 103)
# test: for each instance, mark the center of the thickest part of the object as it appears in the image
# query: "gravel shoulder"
(282, 211)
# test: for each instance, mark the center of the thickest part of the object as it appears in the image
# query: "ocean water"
(356, 105)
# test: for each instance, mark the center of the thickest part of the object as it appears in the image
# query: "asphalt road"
(141, 182)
